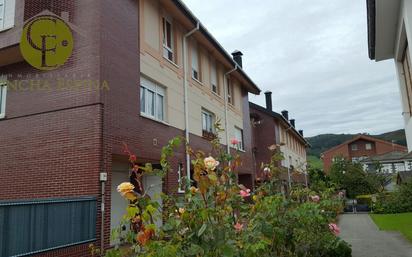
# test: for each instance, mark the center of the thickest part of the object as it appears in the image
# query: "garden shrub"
(398, 201)
(219, 217)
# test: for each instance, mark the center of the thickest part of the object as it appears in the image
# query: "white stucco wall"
(170, 76)
(404, 34)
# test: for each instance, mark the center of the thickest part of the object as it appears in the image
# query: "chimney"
(292, 122)
(301, 132)
(268, 95)
(285, 114)
(237, 56)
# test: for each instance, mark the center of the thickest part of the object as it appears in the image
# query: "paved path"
(367, 240)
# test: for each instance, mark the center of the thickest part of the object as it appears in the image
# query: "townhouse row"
(62, 151)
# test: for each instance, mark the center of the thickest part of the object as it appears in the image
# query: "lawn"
(315, 162)
(401, 222)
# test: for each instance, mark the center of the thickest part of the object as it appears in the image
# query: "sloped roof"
(365, 137)
(391, 156)
(281, 118)
(253, 88)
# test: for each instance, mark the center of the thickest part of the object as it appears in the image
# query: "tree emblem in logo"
(46, 42)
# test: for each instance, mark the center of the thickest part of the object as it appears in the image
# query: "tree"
(351, 177)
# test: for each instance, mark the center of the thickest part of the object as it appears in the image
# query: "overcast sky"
(313, 56)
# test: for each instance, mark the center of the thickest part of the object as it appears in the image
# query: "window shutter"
(9, 13)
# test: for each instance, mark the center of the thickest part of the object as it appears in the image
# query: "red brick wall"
(327, 157)
(264, 135)
(361, 148)
(378, 147)
(51, 141)
(63, 139)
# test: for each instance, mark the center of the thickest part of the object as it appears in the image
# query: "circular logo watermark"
(46, 42)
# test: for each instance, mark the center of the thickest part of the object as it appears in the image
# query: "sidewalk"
(368, 241)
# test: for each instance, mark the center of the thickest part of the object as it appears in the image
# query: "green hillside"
(324, 142)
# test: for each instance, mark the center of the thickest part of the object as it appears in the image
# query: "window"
(406, 66)
(35, 226)
(368, 146)
(7, 10)
(213, 77)
(207, 121)
(195, 62)
(354, 147)
(230, 92)
(3, 93)
(239, 137)
(167, 39)
(180, 179)
(152, 100)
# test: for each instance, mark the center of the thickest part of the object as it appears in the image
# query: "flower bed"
(219, 217)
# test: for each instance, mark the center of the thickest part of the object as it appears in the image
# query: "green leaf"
(212, 177)
(132, 211)
(202, 230)
(150, 209)
(228, 251)
(194, 250)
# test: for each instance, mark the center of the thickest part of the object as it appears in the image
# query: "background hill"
(323, 142)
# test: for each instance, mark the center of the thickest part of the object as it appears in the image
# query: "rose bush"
(218, 217)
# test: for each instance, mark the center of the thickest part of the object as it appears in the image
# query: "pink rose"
(334, 229)
(238, 226)
(132, 158)
(244, 193)
(315, 198)
(234, 141)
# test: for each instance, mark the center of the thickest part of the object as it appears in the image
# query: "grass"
(401, 222)
(315, 162)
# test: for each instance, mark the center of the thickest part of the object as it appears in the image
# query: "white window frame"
(149, 86)
(7, 14)
(208, 127)
(368, 146)
(180, 180)
(240, 137)
(168, 52)
(354, 147)
(195, 62)
(213, 77)
(3, 97)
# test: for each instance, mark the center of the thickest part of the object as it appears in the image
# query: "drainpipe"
(226, 106)
(102, 218)
(186, 103)
(289, 175)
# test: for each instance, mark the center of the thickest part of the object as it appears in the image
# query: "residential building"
(388, 164)
(271, 128)
(359, 148)
(404, 177)
(391, 162)
(389, 34)
(163, 75)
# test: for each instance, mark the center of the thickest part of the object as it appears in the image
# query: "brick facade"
(55, 143)
(356, 148)
(266, 131)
